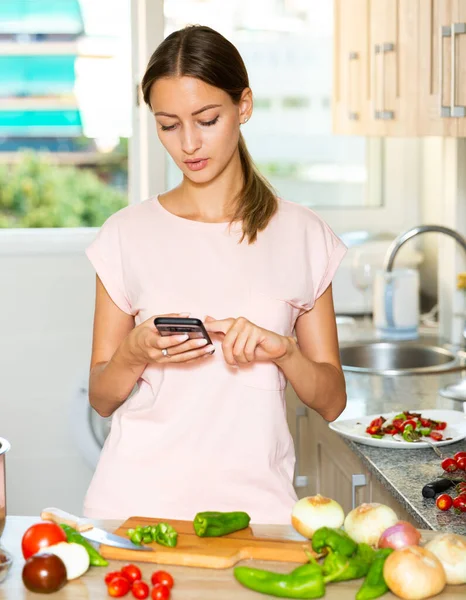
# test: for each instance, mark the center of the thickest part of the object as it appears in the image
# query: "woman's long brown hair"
(201, 52)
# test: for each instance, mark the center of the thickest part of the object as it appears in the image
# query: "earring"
(245, 120)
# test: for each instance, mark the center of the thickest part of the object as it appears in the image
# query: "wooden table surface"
(190, 583)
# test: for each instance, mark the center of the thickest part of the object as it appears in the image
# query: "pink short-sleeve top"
(203, 435)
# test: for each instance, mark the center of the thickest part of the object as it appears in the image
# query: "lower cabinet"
(326, 465)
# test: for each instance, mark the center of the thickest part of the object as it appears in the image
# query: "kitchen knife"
(439, 485)
(88, 531)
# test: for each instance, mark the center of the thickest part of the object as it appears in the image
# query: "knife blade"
(88, 531)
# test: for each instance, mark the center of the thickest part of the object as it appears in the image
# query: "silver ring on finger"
(165, 353)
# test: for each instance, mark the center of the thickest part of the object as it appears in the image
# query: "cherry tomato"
(110, 576)
(444, 502)
(435, 435)
(160, 592)
(459, 504)
(461, 487)
(459, 455)
(40, 536)
(461, 462)
(449, 464)
(373, 430)
(440, 425)
(162, 577)
(131, 572)
(118, 587)
(390, 430)
(398, 424)
(140, 590)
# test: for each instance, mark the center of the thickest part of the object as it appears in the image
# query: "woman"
(206, 428)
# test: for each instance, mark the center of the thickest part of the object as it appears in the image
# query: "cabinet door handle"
(455, 110)
(382, 49)
(445, 32)
(299, 480)
(352, 115)
(358, 480)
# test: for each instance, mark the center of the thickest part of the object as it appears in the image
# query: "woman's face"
(198, 124)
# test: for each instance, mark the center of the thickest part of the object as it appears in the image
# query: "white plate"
(355, 429)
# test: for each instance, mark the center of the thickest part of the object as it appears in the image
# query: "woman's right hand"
(144, 345)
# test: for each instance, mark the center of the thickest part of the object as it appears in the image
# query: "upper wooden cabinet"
(415, 65)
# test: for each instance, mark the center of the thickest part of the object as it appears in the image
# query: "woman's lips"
(196, 165)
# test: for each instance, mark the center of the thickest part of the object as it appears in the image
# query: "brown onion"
(367, 522)
(313, 512)
(399, 536)
(414, 573)
(450, 549)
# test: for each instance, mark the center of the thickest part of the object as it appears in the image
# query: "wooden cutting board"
(213, 553)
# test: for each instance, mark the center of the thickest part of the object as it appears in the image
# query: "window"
(287, 49)
(65, 112)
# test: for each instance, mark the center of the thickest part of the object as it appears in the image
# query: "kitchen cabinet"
(351, 75)
(326, 465)
(459, 66)
(376, 67)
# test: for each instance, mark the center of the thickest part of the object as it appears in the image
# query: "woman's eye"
(209, 123)
(167, 127)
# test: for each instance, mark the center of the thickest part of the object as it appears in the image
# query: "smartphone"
(194, 328)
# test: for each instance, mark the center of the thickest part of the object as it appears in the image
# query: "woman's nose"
(191, 140)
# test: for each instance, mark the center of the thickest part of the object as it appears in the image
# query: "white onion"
(414, 573)
(367, 522)
(399, 536)
(313, 512)
(74, 557)
(450, 549)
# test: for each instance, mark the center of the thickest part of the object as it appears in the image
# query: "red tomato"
(40, 536)
(459, 504)
(118, 587)
(112, 575)
(435, 435)
(162, 577)
(461, 462)
(160, 592)
(444, 502)
(140, 590)
(459, 455)
(411, 422)
(449, 464)
(440, 425)
(131, 572)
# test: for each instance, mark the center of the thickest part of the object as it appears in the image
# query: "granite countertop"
(403, 472)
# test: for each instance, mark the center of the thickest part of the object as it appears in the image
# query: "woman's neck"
(212, 202)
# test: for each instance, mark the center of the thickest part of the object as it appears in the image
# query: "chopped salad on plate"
(411, 426)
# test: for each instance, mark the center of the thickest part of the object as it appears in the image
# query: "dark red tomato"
(112, 575)
(461, 487)
(118, 587)
(426, 423)
(160, 592)
(162, 577)
(459, 455)
(390, 430)
(373, 430)
(41, 535)
(444, 502)
(440, 425)
(449, 464)
(131, 572)
(435, 435)
(140, 590)
(459, 504)
(461, 462)
(398, 423)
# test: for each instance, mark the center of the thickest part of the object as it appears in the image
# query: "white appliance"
(349, 299)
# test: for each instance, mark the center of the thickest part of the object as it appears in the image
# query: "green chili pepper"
(95, 559)
(365, 553)
(400, 416)
(374, 584)
(336, 563)
(136, 538)
(166, 535)
(335, 539)
(306, 581)
(425, 431)
(410, 435)
(377, 437)
(215, 524)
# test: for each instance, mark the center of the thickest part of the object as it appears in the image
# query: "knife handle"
(60, 516)
(441, 484)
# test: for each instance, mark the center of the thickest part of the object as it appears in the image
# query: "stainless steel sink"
(400, 358)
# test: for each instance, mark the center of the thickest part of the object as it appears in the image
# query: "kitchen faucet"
(404, 237)
(456, 391)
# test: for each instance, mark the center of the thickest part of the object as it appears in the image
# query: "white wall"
(46, 316)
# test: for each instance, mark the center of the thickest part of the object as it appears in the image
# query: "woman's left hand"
(245, 342)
